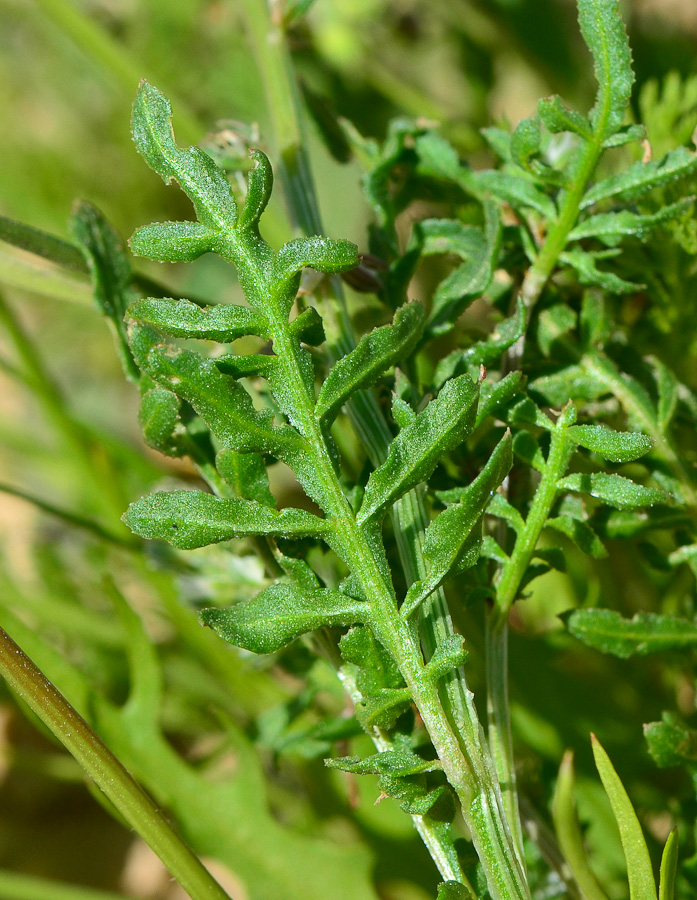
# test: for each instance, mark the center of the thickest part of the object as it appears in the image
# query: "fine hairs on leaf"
(384, 466)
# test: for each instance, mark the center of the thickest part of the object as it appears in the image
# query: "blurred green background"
(68, 72)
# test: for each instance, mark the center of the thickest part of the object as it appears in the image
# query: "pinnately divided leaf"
(376, 352)
(280, 614)
(415, 452)
(639, 869)
(607, 631)
(190, 519)
(446, 541)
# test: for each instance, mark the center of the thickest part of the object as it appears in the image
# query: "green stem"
(106, 771)
(507, 590)
(514, 569)
(499, 725)
(275, 67)
(468, 776)
(557, 236)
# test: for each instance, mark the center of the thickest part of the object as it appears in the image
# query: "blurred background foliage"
(69, 436)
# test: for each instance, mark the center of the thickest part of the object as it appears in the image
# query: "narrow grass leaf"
(281, 613)
(614, 490)
(569, 834)
(616, 446)
(415, 452)
(40, 243)
(639, 871)
(183, 319)
(376, 352)
(191, 519)
(645, 633)
(669, 867)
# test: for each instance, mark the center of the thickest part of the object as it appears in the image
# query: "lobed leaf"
(183, 319)
(492, 397)
(671, 743)
(557, 117)
(201, 180)
(515, 190)
(110, 270)
(454, 890)
(607, 631)
(159, 421)
(468, 281)
(397, 763)
(526, 141)
(585, 266)
(246, 474)
(447, 539)
(449, 236)
(615, 225)
(485, 352)
(382, 708)
(259, 187)
(375, 353)
(580, 533)
(614, 490)
(639, 870)
(625, 135)
(643, 177)
(318, 253)
(415, 452)
(449, 654)
(173, 241)
(281, 613)
(616, 446)
(605, 36)
(222, 403)
(191, 519)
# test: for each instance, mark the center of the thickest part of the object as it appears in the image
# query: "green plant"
(484, 456)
